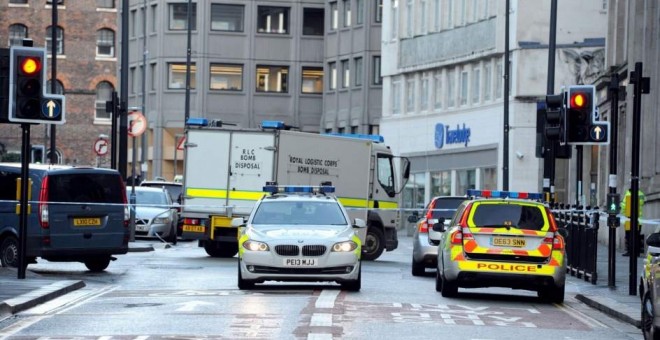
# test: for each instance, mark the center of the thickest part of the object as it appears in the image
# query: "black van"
(77, 214)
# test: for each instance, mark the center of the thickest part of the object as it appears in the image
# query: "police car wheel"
(374, 244)
(243, 284)
(354, 285)
(650, 331)
(449, 288)
(438, 282)
(9, 252)
(552, 294)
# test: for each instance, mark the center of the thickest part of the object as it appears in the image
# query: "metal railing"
(581, 225)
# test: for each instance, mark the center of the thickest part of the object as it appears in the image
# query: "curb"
(612, 308)
(39, 296)
(5, 310)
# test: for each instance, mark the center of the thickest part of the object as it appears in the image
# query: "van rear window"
(80, 188)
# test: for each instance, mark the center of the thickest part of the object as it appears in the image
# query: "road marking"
(327, 299)
(70, 299)
(319, 336)
(321, 320)
(190, 306)
(21, 325)
(577, 315)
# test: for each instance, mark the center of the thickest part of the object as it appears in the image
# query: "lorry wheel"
(221, 249)
(97, 264)
(172, 237)
(9, 252)
(374, 244)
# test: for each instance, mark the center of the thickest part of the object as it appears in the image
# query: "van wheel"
(221, 249)
(97, 264)
(9, 252)
(374, 244)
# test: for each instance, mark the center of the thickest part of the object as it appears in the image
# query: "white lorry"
(226, 168)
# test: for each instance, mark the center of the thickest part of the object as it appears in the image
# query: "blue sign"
(445, 135)
(51, 108)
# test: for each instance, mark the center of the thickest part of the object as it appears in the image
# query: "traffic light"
(580, 113)
(554, 117)
(27, 101)
(4, 84)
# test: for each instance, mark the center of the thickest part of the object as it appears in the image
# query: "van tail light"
(127, 211)
(43, 203)
(551, 219)
(424, 227)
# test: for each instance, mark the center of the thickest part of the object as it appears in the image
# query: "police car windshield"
(299, 212)
(509, 215)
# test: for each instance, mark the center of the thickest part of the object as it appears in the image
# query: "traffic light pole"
(549, 155)
(641, 86)
(53, 80)
(612, 220)
(23, 203)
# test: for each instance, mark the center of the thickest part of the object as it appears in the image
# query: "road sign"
(137, 124)
(181, 143)
(101, 147)
(51, 108)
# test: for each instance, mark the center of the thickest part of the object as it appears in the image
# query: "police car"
(502, 239)
(299, 233)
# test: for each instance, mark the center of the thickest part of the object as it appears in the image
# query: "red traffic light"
(30, 66)
(579, 100)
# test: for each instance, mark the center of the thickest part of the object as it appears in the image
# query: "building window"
(409, 17)
(423, 14)
(451, 81)
(334, 16)
(154, 18)
(410, 94)
(313, 21)
(358, 71)
(463, 13)
(396, 96)
(499, 79)
(226, 77)
(227, 17)
(476, 85)
(332, 82)
(312, 80)
(179, 17)
(413, 194)
(105, 43)
(17, 32)
(59, 47)
(177, 75)
(273, 20)
(132, 80)
(21, 2)
(105, 3)
(424, 97)
(345, 74)
(359, 12)
(272, 78)
(464, 88)
(59, 88)
(450, 13)
(347, 13)
(437, 79)
(441, 183)
(132, 27)
(466, 180)
(154, 76)
(379, 11)
(488, 79)
(438, 15)
(489, 179)
(103, 94)
(354, 129)
(395, 19)
(378, 80)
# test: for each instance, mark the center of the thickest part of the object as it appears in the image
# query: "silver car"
(155, 214)
(425, 240)
(299, 236)
(650, 289)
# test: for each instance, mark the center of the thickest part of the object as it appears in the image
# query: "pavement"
(19, 295)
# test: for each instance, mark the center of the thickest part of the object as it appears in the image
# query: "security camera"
(520, 155)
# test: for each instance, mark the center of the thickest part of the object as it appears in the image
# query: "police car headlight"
(255, 246)
(344, 246)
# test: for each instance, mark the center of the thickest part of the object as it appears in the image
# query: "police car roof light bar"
(373, 138)
(504, 194)
(273, 188)
(197, 122)
(273, 124)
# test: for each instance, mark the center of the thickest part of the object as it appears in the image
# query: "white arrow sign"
(190, 306)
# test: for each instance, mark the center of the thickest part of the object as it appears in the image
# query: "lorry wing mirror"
(359, 223)
(406, 169)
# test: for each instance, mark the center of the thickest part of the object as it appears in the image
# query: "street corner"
(622, 311)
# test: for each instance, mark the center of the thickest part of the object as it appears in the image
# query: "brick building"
(86, 74)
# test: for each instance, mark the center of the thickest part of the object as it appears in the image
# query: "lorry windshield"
(386, 174)
(300, 212)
